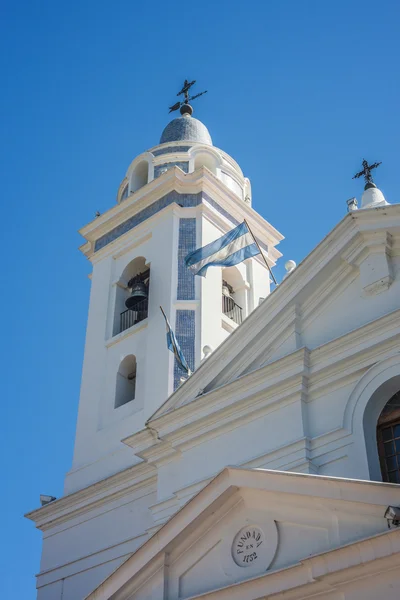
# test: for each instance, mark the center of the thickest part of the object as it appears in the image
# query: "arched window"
(132, 295)
(126, 381)
(388, 438)
(205, 159)
(140, 176)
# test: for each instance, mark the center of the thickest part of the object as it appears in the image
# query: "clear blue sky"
(299, 93)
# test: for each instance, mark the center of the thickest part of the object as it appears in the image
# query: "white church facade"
(273, 470)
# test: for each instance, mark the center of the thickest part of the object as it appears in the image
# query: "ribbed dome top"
(187, 129)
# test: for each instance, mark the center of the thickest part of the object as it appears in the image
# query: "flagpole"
(261, 252)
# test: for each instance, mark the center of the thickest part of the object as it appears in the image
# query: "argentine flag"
(231, 249)
(175, 348)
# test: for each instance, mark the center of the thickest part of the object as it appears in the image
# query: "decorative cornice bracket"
(371, 255)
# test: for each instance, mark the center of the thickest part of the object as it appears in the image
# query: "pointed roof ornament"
(184, 106)
(372, 196)
(366, 173)
(187, 128)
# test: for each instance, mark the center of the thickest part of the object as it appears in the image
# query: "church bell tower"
(178, 196)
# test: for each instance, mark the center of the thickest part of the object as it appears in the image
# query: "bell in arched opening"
(228, 303)
(227, 290)
(139, 292)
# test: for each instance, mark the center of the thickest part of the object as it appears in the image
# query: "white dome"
(372, 197)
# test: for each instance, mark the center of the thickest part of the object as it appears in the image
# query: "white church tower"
(178, 196)
(273, 471)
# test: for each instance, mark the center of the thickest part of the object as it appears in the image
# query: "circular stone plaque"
(247, 545)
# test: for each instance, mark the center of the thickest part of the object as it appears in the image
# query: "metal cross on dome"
(366, 172)
(185, 91)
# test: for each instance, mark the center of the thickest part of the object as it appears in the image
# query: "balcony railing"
(130, 317)
(231, 309)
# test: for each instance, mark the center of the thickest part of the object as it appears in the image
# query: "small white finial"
(207, 350)
(352, 204)
(372, 197)
(182, 379)
(290, 266)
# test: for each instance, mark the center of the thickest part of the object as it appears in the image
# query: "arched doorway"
(388, 439)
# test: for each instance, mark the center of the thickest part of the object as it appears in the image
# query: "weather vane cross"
(366, 172)
(184, 104)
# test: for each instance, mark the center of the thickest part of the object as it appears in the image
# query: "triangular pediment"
(311, 308)
(246, 524)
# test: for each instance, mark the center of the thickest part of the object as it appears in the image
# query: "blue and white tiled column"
(185, 332)
(185, 319)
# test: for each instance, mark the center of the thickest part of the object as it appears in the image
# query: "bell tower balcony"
(132, 316)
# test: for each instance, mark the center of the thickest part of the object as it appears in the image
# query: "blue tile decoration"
(160, 169)
(186, 129)
(171, 150)
(219, 208)
(186, 244)
(185, 333)
(227, 215)
(184, 200)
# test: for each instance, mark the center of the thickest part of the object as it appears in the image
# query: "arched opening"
(126, 381)
(370, 396)
(140, 176)
(124, 194)
(123, 190)
(233, 294)
(205, 159)
(132, 295)
(388, 439)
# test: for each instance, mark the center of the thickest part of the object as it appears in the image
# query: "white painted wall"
(319, 428)
(79, 553)
(100, 428)
(354, 307)
(317, 425)
(278, 438)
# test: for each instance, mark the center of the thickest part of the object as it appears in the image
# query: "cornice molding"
(303, 374)
(352, 342)
(218, 409)
(334, 285)
(371, 255)
(367, 242)
(134, 478)
(201, 180)
(263, 345)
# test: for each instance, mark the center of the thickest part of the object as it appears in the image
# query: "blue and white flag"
(175, 348)
(231, 249)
